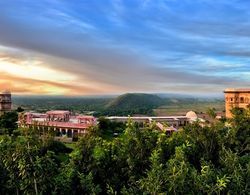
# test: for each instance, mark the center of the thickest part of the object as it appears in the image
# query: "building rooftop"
(242, 90)
(58, 112)
(6, 92)
(35, 114)
(146, 117)
(85, 117)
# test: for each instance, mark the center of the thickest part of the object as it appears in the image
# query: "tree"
(8, 122)
(28, 171)
(211, 112)
(19, 109)
(155, 180)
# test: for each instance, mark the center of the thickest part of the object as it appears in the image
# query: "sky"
(85, 47)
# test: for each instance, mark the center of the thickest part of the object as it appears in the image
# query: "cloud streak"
(124, 46)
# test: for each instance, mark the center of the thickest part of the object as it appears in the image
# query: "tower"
(236, 98)
(5, 101)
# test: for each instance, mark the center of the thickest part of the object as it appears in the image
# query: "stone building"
(175, 121)
(236, 98)
(5, 102)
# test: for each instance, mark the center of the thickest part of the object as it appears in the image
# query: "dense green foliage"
(198, 160)
(8, 122)
(108, 129)
(76, 104)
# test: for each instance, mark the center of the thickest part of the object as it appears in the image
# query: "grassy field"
(183, 108)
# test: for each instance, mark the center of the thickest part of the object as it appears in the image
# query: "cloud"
(130, 46)
(36, 86)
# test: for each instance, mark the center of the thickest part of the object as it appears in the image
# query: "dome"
(191, 115)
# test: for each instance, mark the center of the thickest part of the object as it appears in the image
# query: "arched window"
(241, 100)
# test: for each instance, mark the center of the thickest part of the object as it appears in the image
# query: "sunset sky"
(82, 47)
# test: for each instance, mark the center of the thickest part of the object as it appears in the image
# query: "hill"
(133, 103)
(126, 104)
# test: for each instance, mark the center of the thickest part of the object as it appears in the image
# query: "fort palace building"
(66, 124)
(63, 122)
(5, 102)
(236, 98)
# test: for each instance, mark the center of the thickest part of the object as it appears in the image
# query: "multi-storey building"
(236, 98)
(5, 102)
(61, 121)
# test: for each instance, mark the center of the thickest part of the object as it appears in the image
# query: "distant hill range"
(126, 104)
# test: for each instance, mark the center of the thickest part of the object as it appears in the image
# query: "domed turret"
(192, 115)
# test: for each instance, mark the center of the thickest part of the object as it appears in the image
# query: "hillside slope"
(133, 103)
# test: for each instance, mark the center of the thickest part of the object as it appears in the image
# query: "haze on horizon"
(54, 47)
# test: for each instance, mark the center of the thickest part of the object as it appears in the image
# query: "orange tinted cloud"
(35, 86)
(26, 75)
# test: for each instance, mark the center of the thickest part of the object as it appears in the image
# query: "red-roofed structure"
(63, 122)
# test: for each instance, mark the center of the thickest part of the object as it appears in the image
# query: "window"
(241, 100)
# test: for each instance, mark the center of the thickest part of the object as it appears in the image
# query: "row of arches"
(237, 99)
(59, 132)
(68, 132)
